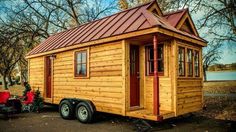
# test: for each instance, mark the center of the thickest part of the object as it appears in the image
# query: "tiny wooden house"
(138, 63)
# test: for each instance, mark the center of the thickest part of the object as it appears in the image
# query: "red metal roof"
(174, 17)
(130, 20)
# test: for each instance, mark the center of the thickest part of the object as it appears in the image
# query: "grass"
(220, 87)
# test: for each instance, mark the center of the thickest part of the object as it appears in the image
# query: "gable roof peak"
(184, 10)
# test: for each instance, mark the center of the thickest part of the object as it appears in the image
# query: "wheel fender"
(91, 105)
(75, 101)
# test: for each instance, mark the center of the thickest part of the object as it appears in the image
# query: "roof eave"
(155, 29)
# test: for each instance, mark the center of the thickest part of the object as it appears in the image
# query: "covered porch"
(150, 93)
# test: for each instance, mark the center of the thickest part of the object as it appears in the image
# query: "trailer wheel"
(84, 113)
(66, 109)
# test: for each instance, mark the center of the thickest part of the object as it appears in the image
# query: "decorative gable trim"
(155, 8)
(187, 18)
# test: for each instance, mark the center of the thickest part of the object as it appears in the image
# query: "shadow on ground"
(49, 120)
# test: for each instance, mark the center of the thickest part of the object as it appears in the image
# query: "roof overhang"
(125, 36)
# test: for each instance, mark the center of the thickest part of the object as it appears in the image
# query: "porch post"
(156, 78)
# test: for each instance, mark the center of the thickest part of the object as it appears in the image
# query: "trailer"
(140, 63)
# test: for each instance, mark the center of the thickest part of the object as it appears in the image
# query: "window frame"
(189, 63)
(147, 60)
(194, 49)
(87, 63)
(198, 63)
(183, 62)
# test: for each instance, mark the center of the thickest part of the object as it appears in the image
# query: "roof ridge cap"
(174, 12)
(104, 17)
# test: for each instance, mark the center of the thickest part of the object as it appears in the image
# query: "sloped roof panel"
(134, 19)
(174, 17)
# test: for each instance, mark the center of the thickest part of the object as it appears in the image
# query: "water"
(224, 75)
(231, 95)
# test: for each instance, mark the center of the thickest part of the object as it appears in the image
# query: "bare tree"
(211, 56)
(10, 52)
(35, 20)
(165, 5)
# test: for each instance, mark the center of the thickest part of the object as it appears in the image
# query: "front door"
(48, 81)
(134, 76)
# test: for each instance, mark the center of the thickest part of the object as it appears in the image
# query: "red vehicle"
(8, 105)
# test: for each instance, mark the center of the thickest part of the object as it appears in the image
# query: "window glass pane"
(181, 68)
(196, 63)
(78, 58)
(83, 69)
(190, 69)
(84, 58)
(181, 61)
(132, 62)
(160, 66)
(160, 51)
(189, 55)
(160, 58)
(81, 63)
(151, 54)
(190, 62)
(78, 71)
(151, 67)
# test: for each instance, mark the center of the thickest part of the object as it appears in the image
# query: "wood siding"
(189, 95)
(36, 73)
(165, 85)
(166, 93)
(104, 85)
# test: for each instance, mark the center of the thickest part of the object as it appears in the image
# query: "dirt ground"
(49, 120)
(219, 116)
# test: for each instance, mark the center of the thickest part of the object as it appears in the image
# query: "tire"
(66, 110)
(84, 113)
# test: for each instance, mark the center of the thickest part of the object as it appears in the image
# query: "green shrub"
(38, 102)
(17, 79)
(27, 88)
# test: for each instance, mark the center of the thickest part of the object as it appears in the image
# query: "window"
(81, 63)
(181, 61)
(190, 62)
(150, 59)
(196, 63)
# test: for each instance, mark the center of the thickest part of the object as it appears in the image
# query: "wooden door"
(134, 76)
(48, 70)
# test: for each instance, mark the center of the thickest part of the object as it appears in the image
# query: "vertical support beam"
(124, 76)
(52, 80)
(156, 78)
(28, 71)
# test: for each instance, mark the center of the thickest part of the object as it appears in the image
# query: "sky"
(228, 51)
(228, 54)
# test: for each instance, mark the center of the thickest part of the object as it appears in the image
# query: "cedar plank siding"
(166, 92)
(189, 95)
(36, 73)
(104, 85)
